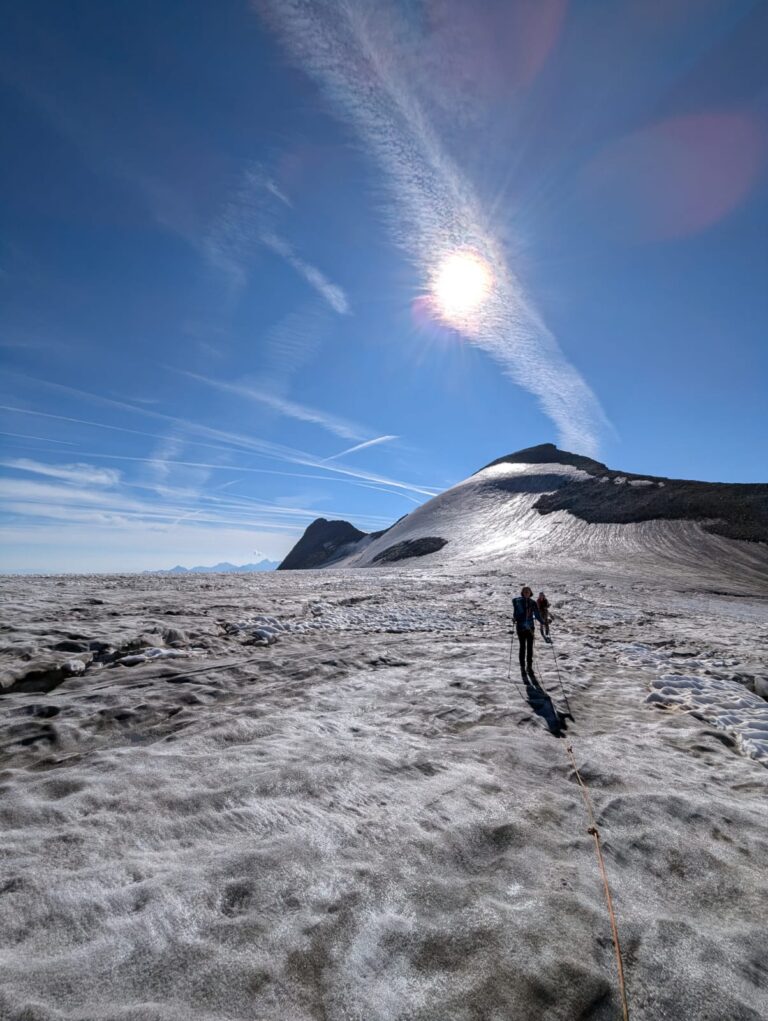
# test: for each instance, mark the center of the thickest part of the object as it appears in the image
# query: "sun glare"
(461, 283)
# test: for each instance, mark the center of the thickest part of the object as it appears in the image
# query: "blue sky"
(223, 233)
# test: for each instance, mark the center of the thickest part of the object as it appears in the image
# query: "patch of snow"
(151, 654)
(75, 667)
(725, 704)
(380, 619)
(508, 470)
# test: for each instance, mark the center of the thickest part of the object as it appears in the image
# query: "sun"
(460, 285)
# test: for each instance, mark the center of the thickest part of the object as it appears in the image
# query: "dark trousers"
(525, 637)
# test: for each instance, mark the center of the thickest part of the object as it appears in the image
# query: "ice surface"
(725, 703)
(363, 818)
(153, 652)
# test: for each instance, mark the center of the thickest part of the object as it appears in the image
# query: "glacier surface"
(334, 803)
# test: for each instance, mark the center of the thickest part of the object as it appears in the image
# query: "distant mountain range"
(223, 568)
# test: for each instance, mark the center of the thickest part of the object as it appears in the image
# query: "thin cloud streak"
(332, 293)
(79, 512)
(46, 493)
(348, 478)
(288, 346)
(273, 189)
(234, 449)
(360, 446)
(69, 502)
(354, 51)
(230, 440)
(82, 474)
(41, 439)
(156, 520)
(290, 409)
(225, 440)
(248, 222)
(352, 475)
(380, 489)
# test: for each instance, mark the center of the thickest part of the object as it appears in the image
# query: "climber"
(546, 618)
(526, 612)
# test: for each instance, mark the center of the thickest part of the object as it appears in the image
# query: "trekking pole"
(559, 678)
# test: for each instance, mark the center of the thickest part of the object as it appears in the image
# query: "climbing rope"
(594, 832)
(559, 678)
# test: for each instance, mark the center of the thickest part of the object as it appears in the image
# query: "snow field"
(726, 704)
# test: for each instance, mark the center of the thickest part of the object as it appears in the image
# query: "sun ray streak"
(356, 53)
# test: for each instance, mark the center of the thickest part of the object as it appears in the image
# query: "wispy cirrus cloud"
(290, 409)
(81, 474)
(65, 502)
(225, 441)
(60, 501)
(248, 222)
(357, 52)
(81, 516)
(331, 292)
(41, 439)
(119, 147)
(166, 475)
(273, 189)
(290, 343)
(351, 475)
(47, 494)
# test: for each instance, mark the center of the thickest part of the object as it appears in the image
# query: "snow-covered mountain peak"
(549, 454)
(569, 511)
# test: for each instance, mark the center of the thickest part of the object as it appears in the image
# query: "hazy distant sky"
(223, 230)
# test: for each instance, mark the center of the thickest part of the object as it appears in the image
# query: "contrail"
(291, 409)
(332, 293)
(351, 47)
(248, 221)
(227, 441)
(360, 446)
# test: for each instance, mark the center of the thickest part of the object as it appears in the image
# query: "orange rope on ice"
(595, 833)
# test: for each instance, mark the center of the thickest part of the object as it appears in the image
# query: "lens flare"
(461, 283)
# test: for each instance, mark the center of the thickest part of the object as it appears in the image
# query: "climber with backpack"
(546, 617)
(526, 613)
